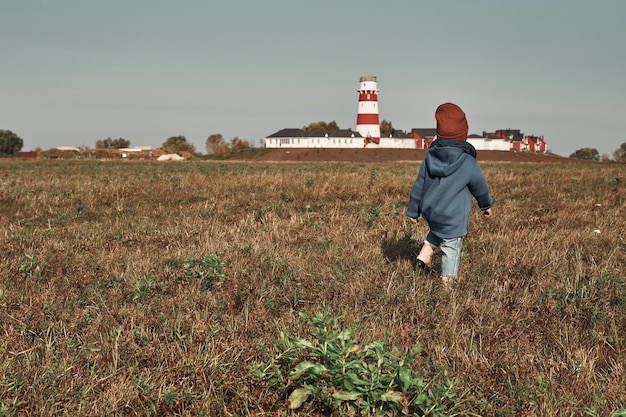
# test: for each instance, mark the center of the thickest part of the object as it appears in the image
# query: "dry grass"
(99, 318)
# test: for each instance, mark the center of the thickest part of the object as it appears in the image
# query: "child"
(443, 190)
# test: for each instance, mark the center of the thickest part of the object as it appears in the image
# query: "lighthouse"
(367, 115)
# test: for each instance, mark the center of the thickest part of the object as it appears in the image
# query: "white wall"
(395, 143)
(319, 142)
(484, 144)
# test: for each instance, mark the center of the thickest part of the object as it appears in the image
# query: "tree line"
(619, 155)
(11, 143)
(215, 144)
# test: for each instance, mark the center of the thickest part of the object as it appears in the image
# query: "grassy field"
(145, 288)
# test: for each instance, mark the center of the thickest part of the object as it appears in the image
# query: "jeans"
(450, 255)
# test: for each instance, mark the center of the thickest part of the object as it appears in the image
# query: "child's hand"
(487, 213)
(413, 220)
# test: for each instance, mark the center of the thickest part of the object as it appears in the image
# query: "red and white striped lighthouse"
(367, 115)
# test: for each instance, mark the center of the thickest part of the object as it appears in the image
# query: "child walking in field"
(442, 193)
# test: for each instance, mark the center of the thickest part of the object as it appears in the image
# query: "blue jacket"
(443, 190)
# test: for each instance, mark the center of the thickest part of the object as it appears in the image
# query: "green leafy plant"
(372, 177)
(6, 409)
(207, 269)
(168, 397)
(17, 234)
(374, 215)
(332, 372)
(30, 266)
(142, 288)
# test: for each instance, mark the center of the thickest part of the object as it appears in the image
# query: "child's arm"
(480, 189)
(413, 210)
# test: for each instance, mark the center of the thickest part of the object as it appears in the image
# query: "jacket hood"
(446, 156)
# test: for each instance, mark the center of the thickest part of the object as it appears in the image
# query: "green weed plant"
(206, 269)
(334, 373)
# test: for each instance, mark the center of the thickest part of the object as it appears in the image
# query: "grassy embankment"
(134, 288)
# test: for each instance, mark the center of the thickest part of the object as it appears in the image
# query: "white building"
(341, 138)
(488, 144)
(298, 138)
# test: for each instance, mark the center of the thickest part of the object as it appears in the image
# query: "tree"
(109, 143)
(619, 155)
(386, 126)
(586, 153)
(121, 143)
(178, 144)
(10, 143)
(323, 126)
(216, 145)
(237, 144)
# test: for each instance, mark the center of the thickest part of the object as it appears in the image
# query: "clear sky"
(75, 71)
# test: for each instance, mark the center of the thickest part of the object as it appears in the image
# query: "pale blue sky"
(75, 71)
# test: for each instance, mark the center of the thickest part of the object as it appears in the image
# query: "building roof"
(425, 132)
(512, 134)
(299, 133)
(398, 134)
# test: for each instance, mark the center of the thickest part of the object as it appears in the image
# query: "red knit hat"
(451, 122)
